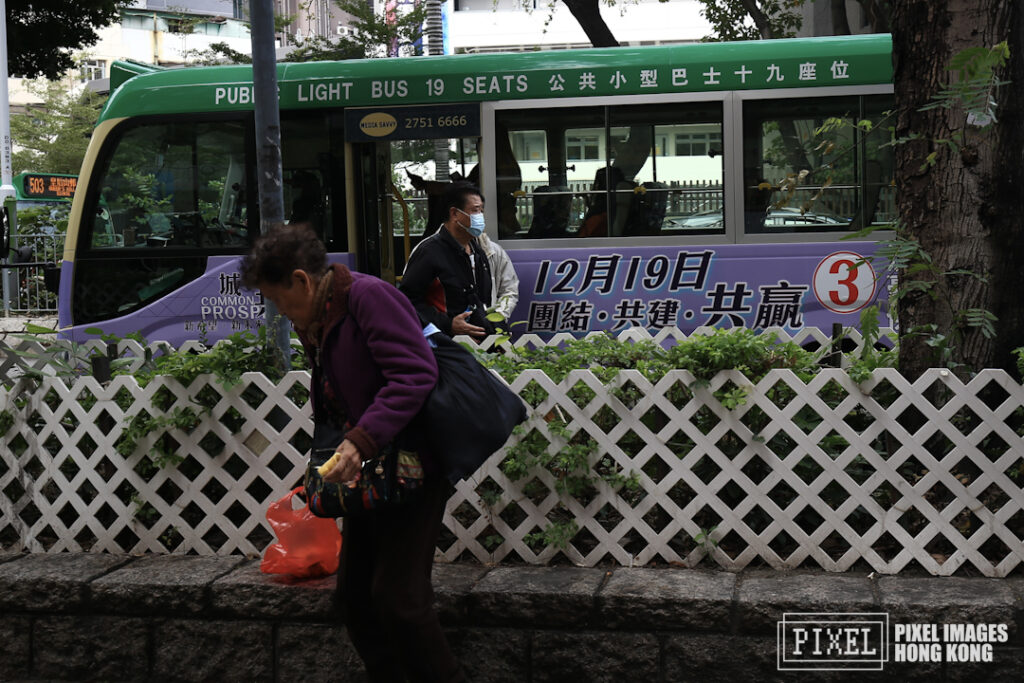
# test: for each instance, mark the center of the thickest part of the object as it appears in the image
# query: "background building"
(161, 32)
(312, 18)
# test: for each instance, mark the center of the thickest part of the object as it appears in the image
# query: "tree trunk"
(878, 13)
(840, 22)
(1003, 199)
(964, 208)
(588, 15)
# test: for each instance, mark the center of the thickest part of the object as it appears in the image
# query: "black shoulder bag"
(469, 414)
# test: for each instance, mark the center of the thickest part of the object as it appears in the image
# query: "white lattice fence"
(12, 365)
(80, 493)
(827, 473)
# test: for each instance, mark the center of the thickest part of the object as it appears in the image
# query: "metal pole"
(9, 275)
(268, 146)
(6, 185)
(7, 190)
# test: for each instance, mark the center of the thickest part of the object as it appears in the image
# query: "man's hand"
(461, 325)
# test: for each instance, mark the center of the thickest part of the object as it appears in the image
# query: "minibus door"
(395, 154)
(395, 197)
(375, 253)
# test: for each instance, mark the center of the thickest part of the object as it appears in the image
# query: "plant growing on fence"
(61, 358)
(871, 356)
(574, 469)
(705, 539)
(6, 422)
(163, 454)
(226, 361)
(570, 457)
(557, 534)
(237, 354)
(740, 349)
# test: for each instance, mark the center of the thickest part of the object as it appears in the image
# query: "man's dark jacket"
(441, 283)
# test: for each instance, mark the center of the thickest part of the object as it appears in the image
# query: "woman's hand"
(460, 325)
(348, 466)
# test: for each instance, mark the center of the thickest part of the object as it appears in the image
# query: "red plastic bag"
(307, 546)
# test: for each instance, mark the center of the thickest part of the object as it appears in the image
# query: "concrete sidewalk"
(109, 617)
(17, 325)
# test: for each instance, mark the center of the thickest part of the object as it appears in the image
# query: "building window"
(182, 24)
(661, 145)
(582, 147)
(697, 144)
(91, 70)
(529, 145)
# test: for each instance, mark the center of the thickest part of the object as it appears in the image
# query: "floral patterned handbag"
(393, 477)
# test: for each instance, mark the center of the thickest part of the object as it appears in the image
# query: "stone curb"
(661, 599)
(220, 618)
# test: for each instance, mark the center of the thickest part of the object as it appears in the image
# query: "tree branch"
(764, 27)
(588, 15)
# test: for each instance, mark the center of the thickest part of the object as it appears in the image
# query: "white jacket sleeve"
(505, 282)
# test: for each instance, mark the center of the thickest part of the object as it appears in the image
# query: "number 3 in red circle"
(844, 282)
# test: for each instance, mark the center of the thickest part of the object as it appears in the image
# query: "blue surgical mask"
(476, 223)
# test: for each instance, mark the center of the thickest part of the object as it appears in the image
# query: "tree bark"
(964, 208)
(1002, 201)
(878, 13)
(588, 15)
(840, 22)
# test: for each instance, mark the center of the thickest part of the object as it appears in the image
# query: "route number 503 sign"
(845, 282)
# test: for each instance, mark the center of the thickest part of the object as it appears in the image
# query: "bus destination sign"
(43, 186)
(370, 124)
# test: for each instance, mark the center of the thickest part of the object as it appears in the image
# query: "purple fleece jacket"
(375, 358)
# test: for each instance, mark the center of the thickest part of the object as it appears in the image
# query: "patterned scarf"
(321, 302)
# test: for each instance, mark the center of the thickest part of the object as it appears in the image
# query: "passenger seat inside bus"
(551, 207)
(639, 208)
(647, 209)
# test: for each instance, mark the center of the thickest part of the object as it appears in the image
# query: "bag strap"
(323, 409)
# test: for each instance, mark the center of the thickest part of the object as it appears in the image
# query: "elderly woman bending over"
(366, 340)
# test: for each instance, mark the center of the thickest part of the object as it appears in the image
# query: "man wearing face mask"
(448, 276)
